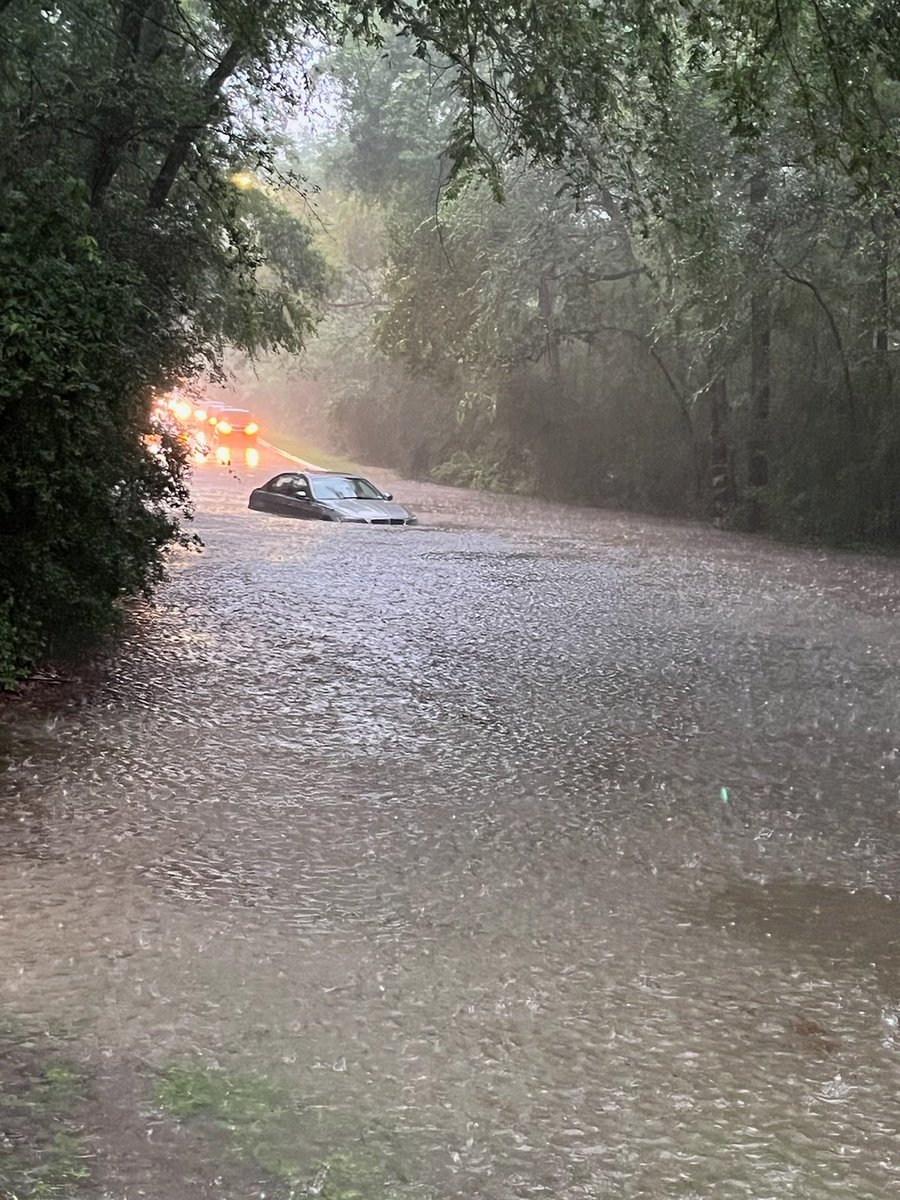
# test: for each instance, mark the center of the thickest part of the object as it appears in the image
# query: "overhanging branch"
(184, 137)
(835, 331)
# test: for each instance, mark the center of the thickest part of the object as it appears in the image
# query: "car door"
(298, 498)
(279, 495)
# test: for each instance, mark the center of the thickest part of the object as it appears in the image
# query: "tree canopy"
(694, 316)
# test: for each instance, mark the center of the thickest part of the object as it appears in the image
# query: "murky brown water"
(427, 827)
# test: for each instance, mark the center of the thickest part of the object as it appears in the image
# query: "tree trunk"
(880, 404)
(135, 49)
(882, 295)
(760, 358)
(184, 138)
(720, 478)
(551, 333)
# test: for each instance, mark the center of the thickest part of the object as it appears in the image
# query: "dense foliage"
(128, 261)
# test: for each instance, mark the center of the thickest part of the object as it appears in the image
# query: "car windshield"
(343, 487)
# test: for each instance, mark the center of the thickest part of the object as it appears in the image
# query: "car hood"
(368, 510)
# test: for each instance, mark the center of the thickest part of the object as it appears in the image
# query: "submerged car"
(324, 496)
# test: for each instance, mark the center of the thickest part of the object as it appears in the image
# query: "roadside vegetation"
(253, 1122)
(310, 452)
(632, 255)
(43, 1148)
(60, 1139)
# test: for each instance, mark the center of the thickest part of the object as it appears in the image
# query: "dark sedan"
(323, 496)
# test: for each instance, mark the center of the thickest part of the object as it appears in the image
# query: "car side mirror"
(388, 495)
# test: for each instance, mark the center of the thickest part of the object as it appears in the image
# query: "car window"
(344, 487)
(283, 483)
(290, 485)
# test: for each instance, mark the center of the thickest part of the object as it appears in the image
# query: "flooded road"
(533, 852)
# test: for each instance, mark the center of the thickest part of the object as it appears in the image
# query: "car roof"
(319, 473)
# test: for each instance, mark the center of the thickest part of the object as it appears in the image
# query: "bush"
(85, 507)
(480, 471)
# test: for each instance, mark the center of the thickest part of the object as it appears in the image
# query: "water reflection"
(831, 926)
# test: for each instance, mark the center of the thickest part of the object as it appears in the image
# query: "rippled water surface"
(534, 852)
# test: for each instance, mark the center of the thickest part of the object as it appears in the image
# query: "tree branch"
(185, 135)
(369, 302)
(835, 331)
(657, 358)
(589, 277)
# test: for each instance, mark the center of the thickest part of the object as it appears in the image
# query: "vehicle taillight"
(223, 427)
(251, 428)
(199, 414)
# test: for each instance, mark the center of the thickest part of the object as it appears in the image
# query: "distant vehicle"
(211, 409)
(168, 426)
(324, 496)
(235, 432)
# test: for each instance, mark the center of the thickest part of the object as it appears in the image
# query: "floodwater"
(534, 852)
